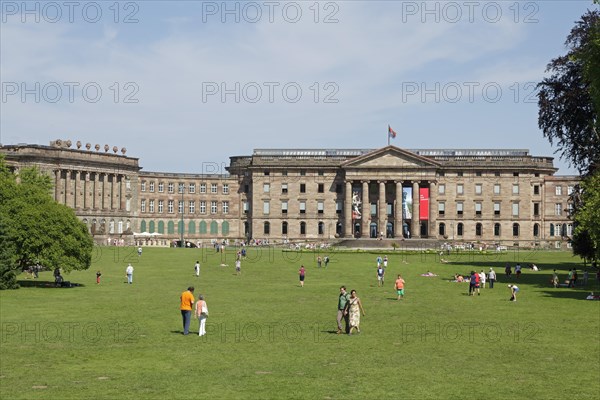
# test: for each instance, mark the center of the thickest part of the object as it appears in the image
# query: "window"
(515, 209)
(225, 207)
(152, 186)
(478, 229)
(302, 188)
(441, 208)
(303, 207)
(151, 206)
(143, 186)
(570, 190)
(303, 228)
(226, 188)
(203, 188)
(497, 188)
(180, 188)
(320, 188)
(143, 206)
(570, 208)
(459, 208)
(267, 172)
(515, 229)
(284, 173)
(320, 172)
(213, 188)
(442, 189)
(213, 207)
(203, 207)
(536, 209)
(246, 207)
(284, 188)
(558, 190)
(161, 187)
(551, 229)
(460, 189)
(180, 206)
(515, 174)
(192, 188)
(127, 183)
(266, 207)
(478, 173)
(266, 187)
(161, 206)
(558, 209)
(170, 208)
(477, 208)
(339, 206)
(459, 229)
(442, 229)
(515, 189)
(267, 228)
(478, 188)
(496, 208)
(321, 228)
(302, 172)
(497, 173)
(170, 187)
(192, 206)
(536, 189)
(284, 228)
(202, 227)
(459, 173)
(320, 207)
(496, 229)
(569, 229)
(536, 230)
(284, 207)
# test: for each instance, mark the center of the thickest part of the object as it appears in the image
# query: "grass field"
(270, 339)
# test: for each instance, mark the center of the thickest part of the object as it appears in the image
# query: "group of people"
(349, 310)
(200, 309)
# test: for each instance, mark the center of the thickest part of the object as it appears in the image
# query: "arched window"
(170, 227)
(192, 227)
(225, 228)
(321, 228)
(496, 229)
(120, 227)
(143, 226)
(202, 227)
(551, 229)
(151, 227)
(246, 228)
(303, 228)
(478, 229)
(459, 229)
(442, 229)
(515, 229)
(214, 228)
(179, 227)
(267, 228)
(536, 230)
(563, 230)
(111, 226)
(284, 228)
(338, 228)
(161, 227)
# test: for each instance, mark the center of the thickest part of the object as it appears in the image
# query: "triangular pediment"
(390, 157)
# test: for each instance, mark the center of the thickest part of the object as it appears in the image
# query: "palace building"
(504, 196)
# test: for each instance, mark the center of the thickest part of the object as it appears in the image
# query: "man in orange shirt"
(399, 285)
(187, 303)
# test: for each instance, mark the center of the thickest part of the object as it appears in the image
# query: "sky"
(184, 84)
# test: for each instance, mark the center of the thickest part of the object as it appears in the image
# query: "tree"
(586, 238)
(569, 101)
(39, 229)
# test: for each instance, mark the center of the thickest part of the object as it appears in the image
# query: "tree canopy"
(35, 228)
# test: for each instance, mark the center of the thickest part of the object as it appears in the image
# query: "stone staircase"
(406, 244)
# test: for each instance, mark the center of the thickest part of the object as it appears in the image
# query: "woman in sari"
(355, 308)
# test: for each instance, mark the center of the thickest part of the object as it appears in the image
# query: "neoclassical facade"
(501, 196)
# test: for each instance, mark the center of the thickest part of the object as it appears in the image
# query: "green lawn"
(269, 338)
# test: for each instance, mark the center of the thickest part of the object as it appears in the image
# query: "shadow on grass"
(567, 293)
(48, 284)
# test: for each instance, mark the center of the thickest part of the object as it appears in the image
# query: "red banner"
(424, 204)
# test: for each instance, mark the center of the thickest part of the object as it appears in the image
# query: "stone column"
(415, 231)
(101, 191)
(68, 196)
(121, 206)
(432, 210)
(348, 228)
(57, 185)
(94, 202)
(398, 222)
(86, 190)
(77, 188)
(382, 210)
(113, 192)
(366, 210)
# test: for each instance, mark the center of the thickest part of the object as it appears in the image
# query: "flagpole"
(388, 135)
